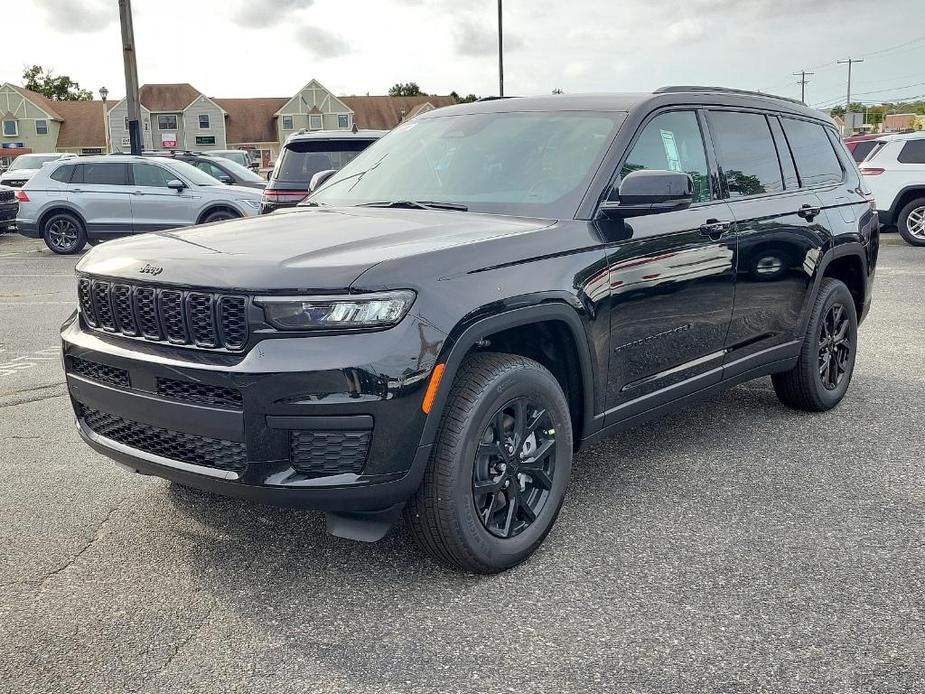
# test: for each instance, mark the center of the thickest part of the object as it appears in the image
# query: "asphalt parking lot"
(735, 547)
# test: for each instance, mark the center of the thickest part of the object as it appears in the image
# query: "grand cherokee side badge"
(148, 269)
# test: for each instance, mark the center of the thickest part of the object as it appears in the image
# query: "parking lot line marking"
(38, 303)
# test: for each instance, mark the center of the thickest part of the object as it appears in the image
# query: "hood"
(18, 174)
(300, 249)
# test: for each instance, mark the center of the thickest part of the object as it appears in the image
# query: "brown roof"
(384, 112)
(168, 97)
(251, 120)
(50, 107)
(83, 124)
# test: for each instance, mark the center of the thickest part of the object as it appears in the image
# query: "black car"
(305, 154)
(9, 206)
(223, 169)
(446, 320)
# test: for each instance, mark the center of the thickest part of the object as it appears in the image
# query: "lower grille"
(175, 445)
(328, 452)
(201, 393)
(7, 196)
(99, 372)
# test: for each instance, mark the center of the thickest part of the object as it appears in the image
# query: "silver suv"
(86, 200)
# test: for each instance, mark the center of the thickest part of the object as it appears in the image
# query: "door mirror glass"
(176, 184)
(319, 179)
(225, 178)
(650, 192)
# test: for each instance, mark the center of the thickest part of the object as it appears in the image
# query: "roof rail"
(723, 90)
(494, 98)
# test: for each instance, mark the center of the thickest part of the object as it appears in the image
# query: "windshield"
(241, 172)
(32, 161)
(237, 156)
(192, 174)
(299, 161)
(524, 163)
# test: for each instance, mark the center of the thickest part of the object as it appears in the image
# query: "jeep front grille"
(162, 314)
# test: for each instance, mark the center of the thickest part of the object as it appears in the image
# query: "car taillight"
(871, 170)
(284, 195)
(21, 196)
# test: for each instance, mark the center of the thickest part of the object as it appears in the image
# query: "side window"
(209, 168)
(62, 174)
(816, 161)
(746, 154)
(104, 174)
(204, 121)
(150, 175)
(784, 155)
(41, 127)
(913, 152)
(287, 122)
(672, 142)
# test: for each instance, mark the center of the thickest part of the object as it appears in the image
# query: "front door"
(100, 192)
(155, 206)
(672, 277)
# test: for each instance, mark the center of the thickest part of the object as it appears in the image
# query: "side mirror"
(176, 184)
(319, 179)
(226, 179)
(650, 192)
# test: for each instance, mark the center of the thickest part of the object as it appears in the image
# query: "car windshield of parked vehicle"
(192, 174)
(302, 160)
(238, 156)
(32, 161)
(522, 163)
(241, 172)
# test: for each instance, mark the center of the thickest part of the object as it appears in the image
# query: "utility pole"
(849, 62)
(500, 53)
(802, 83)
(131, 76)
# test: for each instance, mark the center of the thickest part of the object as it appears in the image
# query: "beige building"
(179, 116)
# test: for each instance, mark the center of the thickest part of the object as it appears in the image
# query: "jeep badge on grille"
(148, 269)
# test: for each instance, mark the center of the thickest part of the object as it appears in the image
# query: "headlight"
(337, 312)
(253, 204)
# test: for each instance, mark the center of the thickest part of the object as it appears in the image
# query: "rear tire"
(823, 372)
(498, 473)
(911, 222)
(64, 233)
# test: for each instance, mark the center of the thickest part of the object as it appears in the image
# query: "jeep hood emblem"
(148, 269)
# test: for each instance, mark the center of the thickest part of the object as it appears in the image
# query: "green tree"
(54, 87)
(464, 99)
(406, 89)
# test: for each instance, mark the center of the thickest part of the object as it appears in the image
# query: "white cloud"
(321, 43)
(81, 16)
(474, 38)
(259, 14)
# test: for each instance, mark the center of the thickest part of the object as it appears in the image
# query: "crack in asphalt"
(96, 536)
(59, 388)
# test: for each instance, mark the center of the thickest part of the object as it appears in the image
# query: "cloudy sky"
(230, 48)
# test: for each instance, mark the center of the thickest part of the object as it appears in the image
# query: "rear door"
(781, 229)
(672, 276)
(100, 193)
(154, 205)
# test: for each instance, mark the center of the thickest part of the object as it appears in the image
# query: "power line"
(849, 62)
(802, 83)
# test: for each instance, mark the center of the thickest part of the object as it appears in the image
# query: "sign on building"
(205, 139)
(169, 140)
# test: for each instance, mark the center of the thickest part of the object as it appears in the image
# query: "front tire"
(64, 234)
(219, 216)
(823, 372)
(497, 477)
(911, 222)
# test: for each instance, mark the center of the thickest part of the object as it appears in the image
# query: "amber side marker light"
(432, 388)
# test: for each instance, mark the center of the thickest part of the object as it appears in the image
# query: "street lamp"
(104, 94)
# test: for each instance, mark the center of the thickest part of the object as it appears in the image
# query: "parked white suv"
(90, 199)
(25, 166)
(895, 173)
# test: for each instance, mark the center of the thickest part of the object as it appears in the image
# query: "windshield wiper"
(417, 205)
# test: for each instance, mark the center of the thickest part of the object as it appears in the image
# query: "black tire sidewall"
(902, 223)
(219, 216)
(544, 390)
(81, 234)
(835, 293)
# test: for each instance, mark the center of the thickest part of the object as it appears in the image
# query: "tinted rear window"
(862, 149)
(62, 174)
(817, 163)
(101, 174)
(745, 151)
(301, 160)
(913, 152)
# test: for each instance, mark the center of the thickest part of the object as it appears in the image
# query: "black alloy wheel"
(64, 234)
(834, 346)
(514, 468)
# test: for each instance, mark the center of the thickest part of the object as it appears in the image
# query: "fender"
(458, 347)
(894, 207)
(839, 250)
(58, 205)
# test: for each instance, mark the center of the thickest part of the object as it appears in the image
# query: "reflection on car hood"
(298, 249)
(18, 174)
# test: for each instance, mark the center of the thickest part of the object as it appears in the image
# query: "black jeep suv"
(440, 326)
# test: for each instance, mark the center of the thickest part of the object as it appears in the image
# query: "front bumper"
(328, 423)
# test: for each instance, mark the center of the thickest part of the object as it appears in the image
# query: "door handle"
(809, 212)
(76, 190)
(138, 192)
(714, 228)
